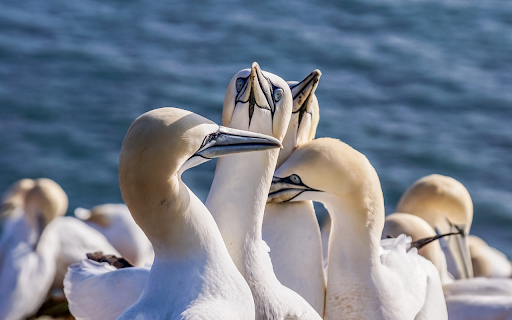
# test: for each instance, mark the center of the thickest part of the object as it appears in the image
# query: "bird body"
(261, 102)
(115, 222)
(487, 261)
(193, 275)
(474, 298)
(291, 229)
(362, 281)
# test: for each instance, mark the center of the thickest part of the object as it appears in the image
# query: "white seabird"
(260, 102)
(291, 229)
(474, 298)
(361, 282)
(193, 275)
(116, 223)
(446, 205)
(37, 249)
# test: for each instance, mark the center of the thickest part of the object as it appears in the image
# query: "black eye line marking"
(295, 196)
(206, 140)
(290, 181)
(243, 90)
(293, 86)
(252, 98)
(304, 106)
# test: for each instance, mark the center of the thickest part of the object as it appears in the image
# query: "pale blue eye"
(295, 179)
(278, 94)
(239, 84)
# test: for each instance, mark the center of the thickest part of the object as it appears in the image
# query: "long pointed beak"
(261, 88)
(304, 90)
(456, 250)
(284, 189)
(230, 141)
(420, 243)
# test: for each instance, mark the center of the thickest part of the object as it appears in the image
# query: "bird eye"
(295, 179)
(239, 84)
(278, 94)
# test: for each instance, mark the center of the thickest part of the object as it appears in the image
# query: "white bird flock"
(254, 249)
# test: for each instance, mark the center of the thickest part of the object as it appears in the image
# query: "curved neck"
(237, 199)
(353, 256)
(354, 240)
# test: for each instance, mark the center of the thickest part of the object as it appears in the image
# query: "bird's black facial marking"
(303, 108)
(207, 140)
(288, 188)
(242, 87)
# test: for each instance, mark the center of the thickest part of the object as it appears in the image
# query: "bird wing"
(100, 291)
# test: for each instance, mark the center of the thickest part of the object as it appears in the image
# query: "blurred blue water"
(420, 87)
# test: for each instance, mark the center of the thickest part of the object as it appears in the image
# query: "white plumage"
(363, 281)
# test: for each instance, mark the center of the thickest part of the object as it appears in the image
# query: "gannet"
(446, 205)
(93, 276)
(474, 298)
(361, 283)
(34, 249)
(193, 275)
(417, 228)
(291, 229)
(482, 256)
(487, 261)
(115, 222)
(260, 102)
(14, 198)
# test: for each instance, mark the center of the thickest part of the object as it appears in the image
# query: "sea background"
(419, 87)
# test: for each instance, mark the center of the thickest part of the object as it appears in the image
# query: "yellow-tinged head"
(258, 101)
(14, 196)
(305, 114)
(158, 147)
(46, 201)
(436, 198)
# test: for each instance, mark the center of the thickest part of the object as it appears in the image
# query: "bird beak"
(456, 250)
(303, 91)
(230, 141)
(257, 92)
(283, 190)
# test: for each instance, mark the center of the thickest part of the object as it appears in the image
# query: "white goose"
(31, 260)
(193, 275)
(361, 283)
(446, 205)
(475, 298)
(116, 223)
(261, 102)
(291, 229)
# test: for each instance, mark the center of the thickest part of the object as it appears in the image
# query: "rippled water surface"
(419, 87)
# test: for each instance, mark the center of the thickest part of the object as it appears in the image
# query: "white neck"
(237, 201)
(203, 243)
(291, 231)
(353, 273)
(192, 232)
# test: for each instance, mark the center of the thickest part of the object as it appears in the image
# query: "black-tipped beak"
(420, 243)
(304, 90)
(286, 189)
(230, 141)
(456, 250)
